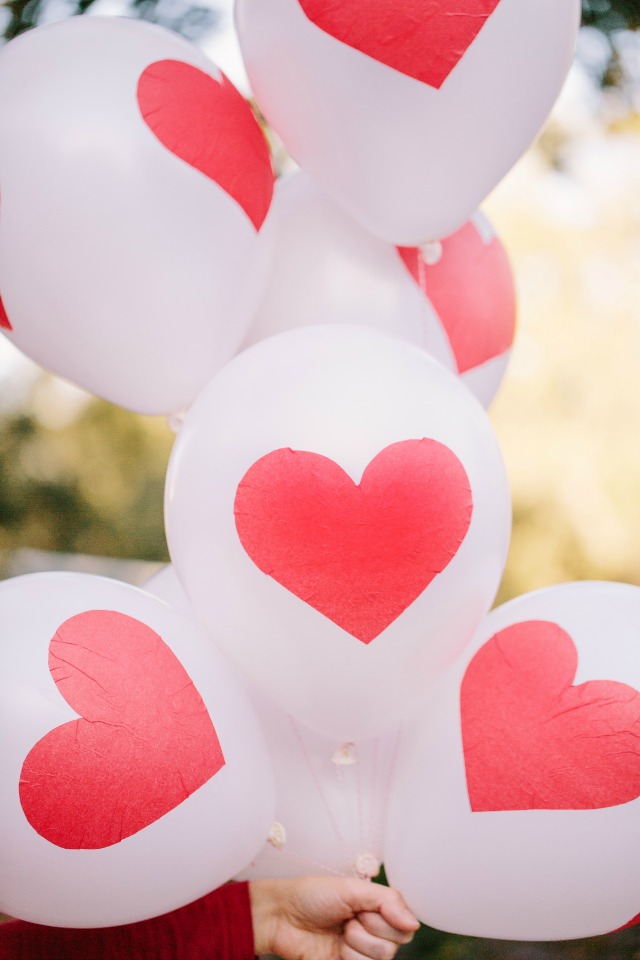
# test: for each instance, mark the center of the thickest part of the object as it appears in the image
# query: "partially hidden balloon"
(326, 268)
(337, 511)
(164, 583)
(408, 112)
(331, 798)
(517, 788)
(135, 777)
(136, 185)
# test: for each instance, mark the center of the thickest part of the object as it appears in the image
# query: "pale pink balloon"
(326, 268)
(135, 777)
(136, 184)
(517, 788)
(338, 514)
(408, 114)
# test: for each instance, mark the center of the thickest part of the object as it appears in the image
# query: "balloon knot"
(277, 835)
(345, 755)
(367, 866)
(175, 420)
(431, 252)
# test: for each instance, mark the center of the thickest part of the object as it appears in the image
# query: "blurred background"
(82, 477)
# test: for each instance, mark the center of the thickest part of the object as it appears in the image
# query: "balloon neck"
(277, 835)
(345, 755)
(367, 866)
(431, 252)
(175, 420)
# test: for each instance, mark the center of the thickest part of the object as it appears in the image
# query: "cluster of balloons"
(316, 682)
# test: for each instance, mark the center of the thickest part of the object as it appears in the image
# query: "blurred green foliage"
(610, 15)
(191, 19)
(92, 486)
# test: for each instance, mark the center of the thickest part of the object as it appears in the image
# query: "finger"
(395, 910)
(366, 944)
(348, 953)
(375, 924)
(364, 896)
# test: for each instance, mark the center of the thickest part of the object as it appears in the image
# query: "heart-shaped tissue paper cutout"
(424, 39)
(532, 741)
(144, 743)
(4, 319)
(359, 554)
(208, 124)
(471, 289)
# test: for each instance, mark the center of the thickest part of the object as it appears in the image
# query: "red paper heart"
(4, 319)
(210, 126)
(534, 742)
(471, 289)
(358, 554)
(145, 743)
(424, 39)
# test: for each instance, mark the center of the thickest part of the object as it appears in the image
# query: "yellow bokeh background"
(568, 412)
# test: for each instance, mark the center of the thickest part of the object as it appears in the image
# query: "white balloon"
(369, 99)
(326, 268)
(513, 815)
(135, 182)
(318, 592)
(171, 823)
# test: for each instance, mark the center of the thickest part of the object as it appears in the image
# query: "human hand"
(327, 918)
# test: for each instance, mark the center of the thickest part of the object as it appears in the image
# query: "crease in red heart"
(532, 740)
(209, 125)
(424, 39)
(144, 743)
(359, 554)
(4, 319)
(471, 289)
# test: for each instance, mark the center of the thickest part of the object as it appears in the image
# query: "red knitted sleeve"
(217, 927)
